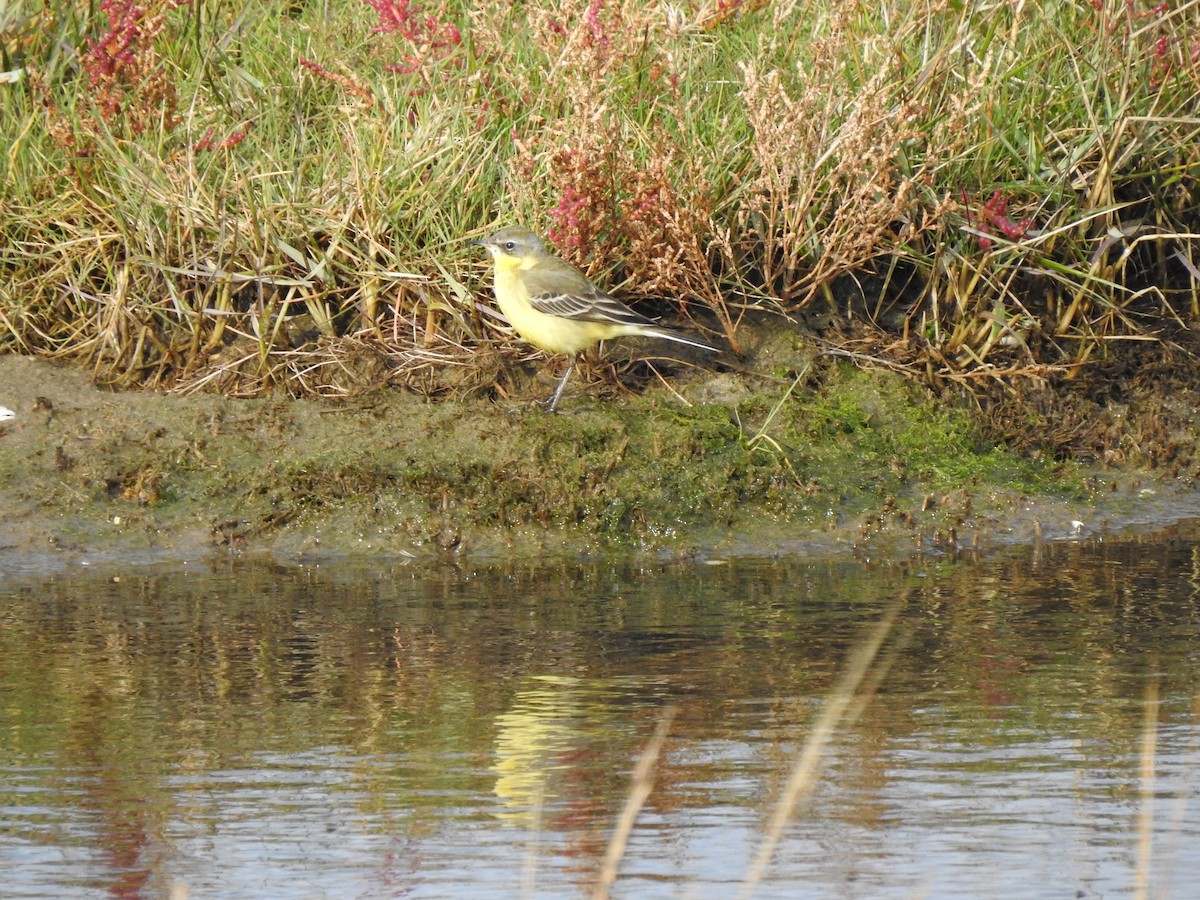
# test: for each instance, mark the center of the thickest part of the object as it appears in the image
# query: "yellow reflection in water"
(542, 739)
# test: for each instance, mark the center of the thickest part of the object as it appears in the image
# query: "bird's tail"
(669, 334)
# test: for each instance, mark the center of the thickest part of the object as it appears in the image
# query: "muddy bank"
(720, 465)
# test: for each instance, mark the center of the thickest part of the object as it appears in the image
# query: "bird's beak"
(477, 242)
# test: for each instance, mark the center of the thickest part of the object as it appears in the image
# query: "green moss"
(635, 472)
(648, 471)
(860, 436)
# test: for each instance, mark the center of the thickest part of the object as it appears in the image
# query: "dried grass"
(242, 201)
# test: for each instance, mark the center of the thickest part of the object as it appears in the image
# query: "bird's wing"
(557, 288)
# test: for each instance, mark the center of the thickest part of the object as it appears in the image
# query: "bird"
(553, 306)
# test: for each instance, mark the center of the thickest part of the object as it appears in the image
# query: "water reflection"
(265, 731)
(545, 739)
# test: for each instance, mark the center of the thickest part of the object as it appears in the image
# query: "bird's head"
(513, 243)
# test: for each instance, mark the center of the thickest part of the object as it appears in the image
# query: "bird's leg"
(562, 384)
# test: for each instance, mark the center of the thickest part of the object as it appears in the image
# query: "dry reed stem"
(1168, 856)
(836, 714)
(1145, 816)
(639, 789)
(529, 866)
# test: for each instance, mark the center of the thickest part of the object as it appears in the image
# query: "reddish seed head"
(595, 28)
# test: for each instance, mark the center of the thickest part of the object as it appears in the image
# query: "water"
(1028, 727)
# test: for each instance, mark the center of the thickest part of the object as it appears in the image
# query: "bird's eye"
(510, 246)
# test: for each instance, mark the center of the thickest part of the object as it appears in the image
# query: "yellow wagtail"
(552, 305)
